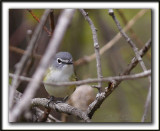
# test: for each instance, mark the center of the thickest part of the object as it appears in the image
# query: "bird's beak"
(67, 61)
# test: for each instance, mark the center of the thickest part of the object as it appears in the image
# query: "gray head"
(61, 59)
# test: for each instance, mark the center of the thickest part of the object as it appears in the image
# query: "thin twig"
(96, 47)
(25, 57)
(22, 52)
(102, 96)
(63, 22)
(37, 19)
(134, 36)
(135, 49)
(39, 112)
(61, 107)
(109, 44)
(95, 80)
(30, 62)
(50, 117)
(131, 43)
(148, 99)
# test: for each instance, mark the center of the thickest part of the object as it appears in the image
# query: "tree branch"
(22, 52)
(61, 107)
(51, 50)
(39, 112)
(135, 49)
(25, 57)
(146, 106)
(94, 80)
(102, 96)
(37, 19)
(96, 47)
(109, 44)
(131, 43)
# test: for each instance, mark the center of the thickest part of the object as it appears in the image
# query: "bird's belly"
(58, 91)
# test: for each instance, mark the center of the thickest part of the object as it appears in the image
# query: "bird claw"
(50, 100)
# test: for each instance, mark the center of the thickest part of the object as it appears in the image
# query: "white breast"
(59, 76)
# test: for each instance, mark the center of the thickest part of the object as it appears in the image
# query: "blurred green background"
(126, 103)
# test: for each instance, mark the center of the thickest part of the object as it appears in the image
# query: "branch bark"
(25, 57)
(93, 80)
(135, 49)
(131, 43)
(54, 43)
(102, 96)
(109, 44)
(37, 19)
(61, 107)
(96, 47)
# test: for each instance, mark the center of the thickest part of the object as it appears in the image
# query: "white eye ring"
(59, 61)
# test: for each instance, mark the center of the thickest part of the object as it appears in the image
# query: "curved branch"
(51, 50)
(109, 44)
(61, 107)
(102, 96)
(96, 47)
(25, 57)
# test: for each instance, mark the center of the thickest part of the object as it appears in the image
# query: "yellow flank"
(58, 91)
(47, 73)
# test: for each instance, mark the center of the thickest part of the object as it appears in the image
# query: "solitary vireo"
(60, 70)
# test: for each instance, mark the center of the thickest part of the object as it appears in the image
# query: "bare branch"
(37, 19)
(61, 107)
(102, 96)
(135, 49)
(148, 99)
(50, 118)
(95, 80)
(133, 34)
(96, 46)
(63, 22)
(109, 44)
(24, 59)
(39, 112)
(22, 52)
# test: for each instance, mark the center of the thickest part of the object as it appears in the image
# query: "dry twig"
(61, 107)
(93, 80)
(37, 19)
(25, 57)
(54, 43)
(109, 44)
(102, 96)
(96, 47)
(135, 49)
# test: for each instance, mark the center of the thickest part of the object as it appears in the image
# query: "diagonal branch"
(63, 22)
(61, 107)
(109, 44)
(96, 47)
(131, 43)
(135, 49)
(25, 57)
(102, 96)
(37, 19)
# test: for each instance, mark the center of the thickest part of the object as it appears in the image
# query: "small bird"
(60, 70)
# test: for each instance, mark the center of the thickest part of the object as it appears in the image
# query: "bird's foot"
(52, 98)
(65, 99)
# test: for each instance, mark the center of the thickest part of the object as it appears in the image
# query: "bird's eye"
(59, 60)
